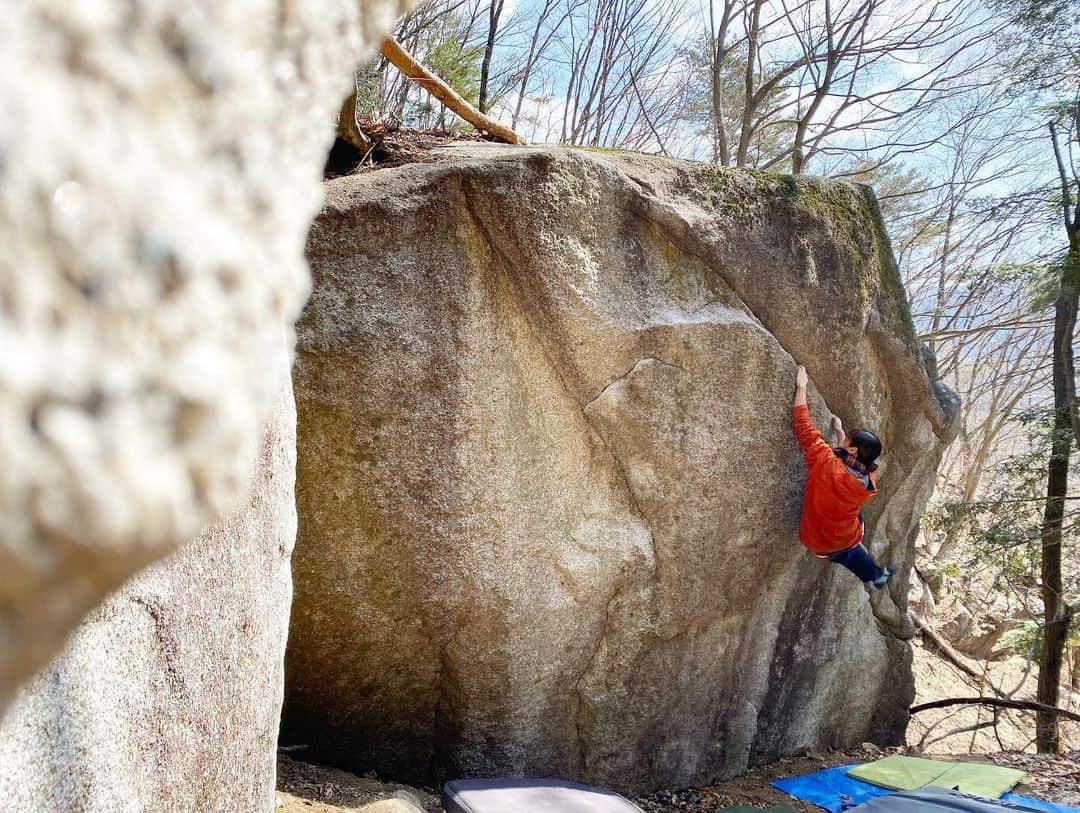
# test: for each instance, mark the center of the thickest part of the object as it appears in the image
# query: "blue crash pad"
(835, 791)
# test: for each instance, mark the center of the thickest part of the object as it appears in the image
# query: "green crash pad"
(900, 773)
(908, 773)
(982, 780)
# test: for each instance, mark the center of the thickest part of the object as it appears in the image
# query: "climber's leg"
(858, 560)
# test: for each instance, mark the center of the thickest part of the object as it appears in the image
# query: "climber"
(838, 481)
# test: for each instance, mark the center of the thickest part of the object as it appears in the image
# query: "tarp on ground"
(933, 799)
(908, 773)
(831, 789)
(835, 791)
(1038, 804)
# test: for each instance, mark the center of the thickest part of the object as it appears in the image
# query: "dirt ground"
(304, 788)
(392, 147)
(936, 679)
(1055, 779)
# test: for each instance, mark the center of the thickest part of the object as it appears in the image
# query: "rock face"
(546, 483)
(159, 167)
(168, 697)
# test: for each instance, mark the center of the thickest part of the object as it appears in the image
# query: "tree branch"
(950, 654)
(1024, 705)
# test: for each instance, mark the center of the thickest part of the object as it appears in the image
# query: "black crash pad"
(530, 796)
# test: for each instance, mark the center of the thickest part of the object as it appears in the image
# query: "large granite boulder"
(160, 163)
(168, 696)
(546, 482)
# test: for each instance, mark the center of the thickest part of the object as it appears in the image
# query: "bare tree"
(825, 70)
(720, 51)
(615, 69)
(551, 17)
(844, 44)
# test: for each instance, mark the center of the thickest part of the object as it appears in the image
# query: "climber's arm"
(838, 430)
(800, 386)
(808, 437)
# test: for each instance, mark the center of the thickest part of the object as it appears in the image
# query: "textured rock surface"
(546, 483)
(167, 698)
(159, 166)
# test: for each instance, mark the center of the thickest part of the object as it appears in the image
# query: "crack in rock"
(166, 643)
(630, 372)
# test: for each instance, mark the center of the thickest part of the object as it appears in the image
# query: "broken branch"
(404, 62)
(950, 655)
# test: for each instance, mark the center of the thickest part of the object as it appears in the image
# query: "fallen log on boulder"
(408, 65)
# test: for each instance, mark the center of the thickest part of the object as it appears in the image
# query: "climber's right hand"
(800, 377)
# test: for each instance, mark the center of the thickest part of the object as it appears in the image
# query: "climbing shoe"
(883, 579)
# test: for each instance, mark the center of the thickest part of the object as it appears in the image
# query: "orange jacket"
(833, 495)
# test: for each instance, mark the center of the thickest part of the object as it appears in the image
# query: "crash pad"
(831, 788)
(530, 796)
(933, 799)
(899, 772)
(835, 791)
(980, 779)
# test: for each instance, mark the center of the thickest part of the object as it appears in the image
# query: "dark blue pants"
(858, 560)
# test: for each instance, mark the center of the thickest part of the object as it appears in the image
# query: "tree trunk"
(943, 269)
(1071, 212)
(1056, 612)
(348, 129)
(721, 148)
(747, 127)
(494, 12)
(798, 154)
